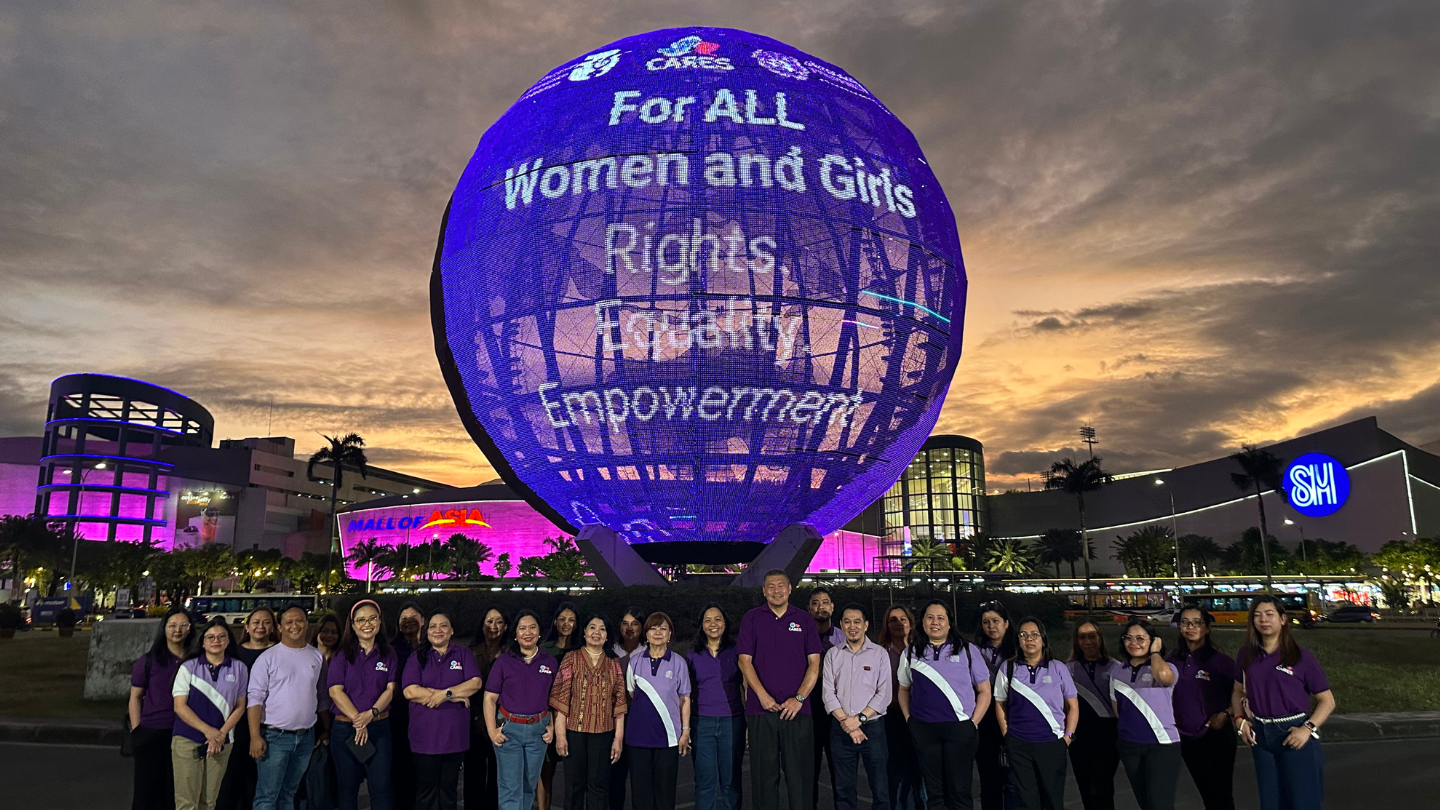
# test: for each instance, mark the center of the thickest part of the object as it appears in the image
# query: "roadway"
(62, 777)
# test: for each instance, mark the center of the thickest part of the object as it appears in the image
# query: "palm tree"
(1145, 551)
(1010, 556)
(367, 554)
(1260, 470)
(503, 565)
(1200, 551)
(1077, 479)
(25, 535)
(347, 449)
(1060, 546)
(465, 554)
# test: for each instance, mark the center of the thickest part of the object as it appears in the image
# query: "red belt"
(522, 719)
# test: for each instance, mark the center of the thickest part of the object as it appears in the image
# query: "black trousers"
(653, 773)
(1037, 773)
(437, 780)
(777, 747)
(1210, 758)
(154, 775)
(820, 730)
(1094, 757)
(903, 767)
(1154, 770)
(481, 790)
(587, 770)
(619, 770)
(237, 786)
(402, 764)
(990, 762)
(947, 760)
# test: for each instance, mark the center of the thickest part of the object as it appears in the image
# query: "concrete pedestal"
(612, 559)
(791, 551)
(114, 646)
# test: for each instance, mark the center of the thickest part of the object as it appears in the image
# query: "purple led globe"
(697, 286)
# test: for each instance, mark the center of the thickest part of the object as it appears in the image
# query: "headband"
(357, 605)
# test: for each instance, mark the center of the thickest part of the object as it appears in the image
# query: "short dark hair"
(610, 634)
(776, 572)
(291, 607)
(658, 618)
(515, 628)
(864, 614)
(197, 641)
(1207, 647)
(1019, 656)
(1149, 631)
(422, 650)
(819, 589)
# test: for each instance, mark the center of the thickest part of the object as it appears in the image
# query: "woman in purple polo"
(657, 731)
(1094, 755)
(1141, 685)
(209, 695)
(438, 681)
(152, 713)
(719, 690)
(517, 713)
(361, 683)
(1204, 685)
(1037, 708)
(1280, 702)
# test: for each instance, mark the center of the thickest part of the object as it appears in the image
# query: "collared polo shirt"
(991, 656)
(365, 678)
(851, 681)
(286, 681)
(716, 682)
(778, 647)
(960, 671)
(1203, 688)
(1275, 690)
(444, 729)
(834, 637)
(1092, 684)
(1034, 699)
(1146, 708)
(212, 692)
(523, 688)
(157, 706)
(655, 686)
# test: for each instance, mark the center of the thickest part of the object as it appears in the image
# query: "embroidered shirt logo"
(670, 673)
(1202, 675)
(1285, 669)
(230, 677)
(794, 627)
(380, 666)
(455, 665)
(1047, 679)
(545, 670)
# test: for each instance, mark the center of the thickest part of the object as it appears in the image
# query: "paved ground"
(65, 777)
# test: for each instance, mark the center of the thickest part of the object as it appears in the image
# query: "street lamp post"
(75, 536)
(1303, 557)
(1174, 525)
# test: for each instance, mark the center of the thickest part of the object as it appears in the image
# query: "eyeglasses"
(1029, 636)
(370, 620)
(1137, 639)
(1192, 623)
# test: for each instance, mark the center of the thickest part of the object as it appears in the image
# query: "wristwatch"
(1314, 729)
(448, 695)
(862, 718)
(800, 698)
(375, 712)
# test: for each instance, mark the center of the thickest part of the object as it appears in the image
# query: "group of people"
(919, 710)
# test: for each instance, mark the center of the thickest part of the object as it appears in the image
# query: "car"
(1353, 613)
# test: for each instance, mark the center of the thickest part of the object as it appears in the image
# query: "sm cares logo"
(690, 52)
(1316, 485)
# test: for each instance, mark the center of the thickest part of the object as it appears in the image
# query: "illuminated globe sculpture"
(698, 286)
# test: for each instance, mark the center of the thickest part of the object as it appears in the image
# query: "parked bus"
(1234, 608)
(236, 606)
(1228, 608)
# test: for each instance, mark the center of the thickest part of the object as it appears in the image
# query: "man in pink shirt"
(855, 684)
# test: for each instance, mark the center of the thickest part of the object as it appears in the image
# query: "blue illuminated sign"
(1316, 485)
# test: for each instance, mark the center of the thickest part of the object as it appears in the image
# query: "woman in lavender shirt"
(1280, 702)
(1037, 708)
(1094, 756)
(657, 732)
(1141, 688)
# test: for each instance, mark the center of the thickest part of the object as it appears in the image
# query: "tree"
(935, 554)
(367, 554)
(1146, 552)
(1260, 470)
(28, 537)
(1010, 556)
(503, 565)
(465, 554)
(1058, 546)
(305, 573)
(253, 565)
(1247, 556)
(564, 562)
(1321, 556)
(208, 563)
(106, 565)
(1077, 479)
(1411, 565)
(1200, 551)
(347, 449)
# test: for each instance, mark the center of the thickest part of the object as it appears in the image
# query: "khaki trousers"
(197, 781)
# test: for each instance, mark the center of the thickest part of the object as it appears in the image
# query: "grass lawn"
(1371, 669)
(43, 675)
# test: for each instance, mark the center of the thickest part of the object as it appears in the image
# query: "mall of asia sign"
(698, 285)
(1316, 485)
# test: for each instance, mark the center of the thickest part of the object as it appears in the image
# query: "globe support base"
(791, 551)
(615, 563)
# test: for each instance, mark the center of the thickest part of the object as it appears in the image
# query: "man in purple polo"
(779, 650)
(283, 698)
(822, 608)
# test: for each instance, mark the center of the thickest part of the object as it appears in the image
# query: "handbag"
(319, 792)
(127, 734)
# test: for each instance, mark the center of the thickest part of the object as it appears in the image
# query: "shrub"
(10, 617)
(65, 617)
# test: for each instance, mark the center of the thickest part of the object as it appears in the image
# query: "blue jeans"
(874, 752)
(279, 772)
(1288, 779)
(719, 749)
(350, 771)
(517, 763)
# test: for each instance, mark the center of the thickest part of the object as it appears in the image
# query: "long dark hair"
(480, 645)
(1077, 654)
(552, 636)
(1019, 656)
(399, 634)
(350, 643)
(918, 639)
(885, 638)
(515, 626)
(197, 640)
(608, 646)
(702, 641)
(328, 618)
(1253, 648)
(1009, 644)
(1207, 647)
(1149, 631)
(422, 650)
(161, 648)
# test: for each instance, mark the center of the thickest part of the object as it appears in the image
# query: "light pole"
(75, 536)
(1303, 558)
(1174, 525)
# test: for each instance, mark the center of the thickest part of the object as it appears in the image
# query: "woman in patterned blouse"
(589, 700)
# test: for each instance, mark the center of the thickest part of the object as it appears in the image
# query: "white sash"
(1099, 704)
(919, 665)
(634, 682)
(191, 681)
(1038, 702)
(1144, 709)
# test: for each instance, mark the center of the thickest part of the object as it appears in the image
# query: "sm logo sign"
(1316, 485)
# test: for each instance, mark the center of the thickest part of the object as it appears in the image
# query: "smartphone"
(201, 749)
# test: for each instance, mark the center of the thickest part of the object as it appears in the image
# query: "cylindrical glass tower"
(940, 498)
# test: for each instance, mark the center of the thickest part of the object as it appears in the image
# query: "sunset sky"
(1191, 224)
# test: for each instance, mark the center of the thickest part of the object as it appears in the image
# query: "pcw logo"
(596, 64)
(677, 55)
